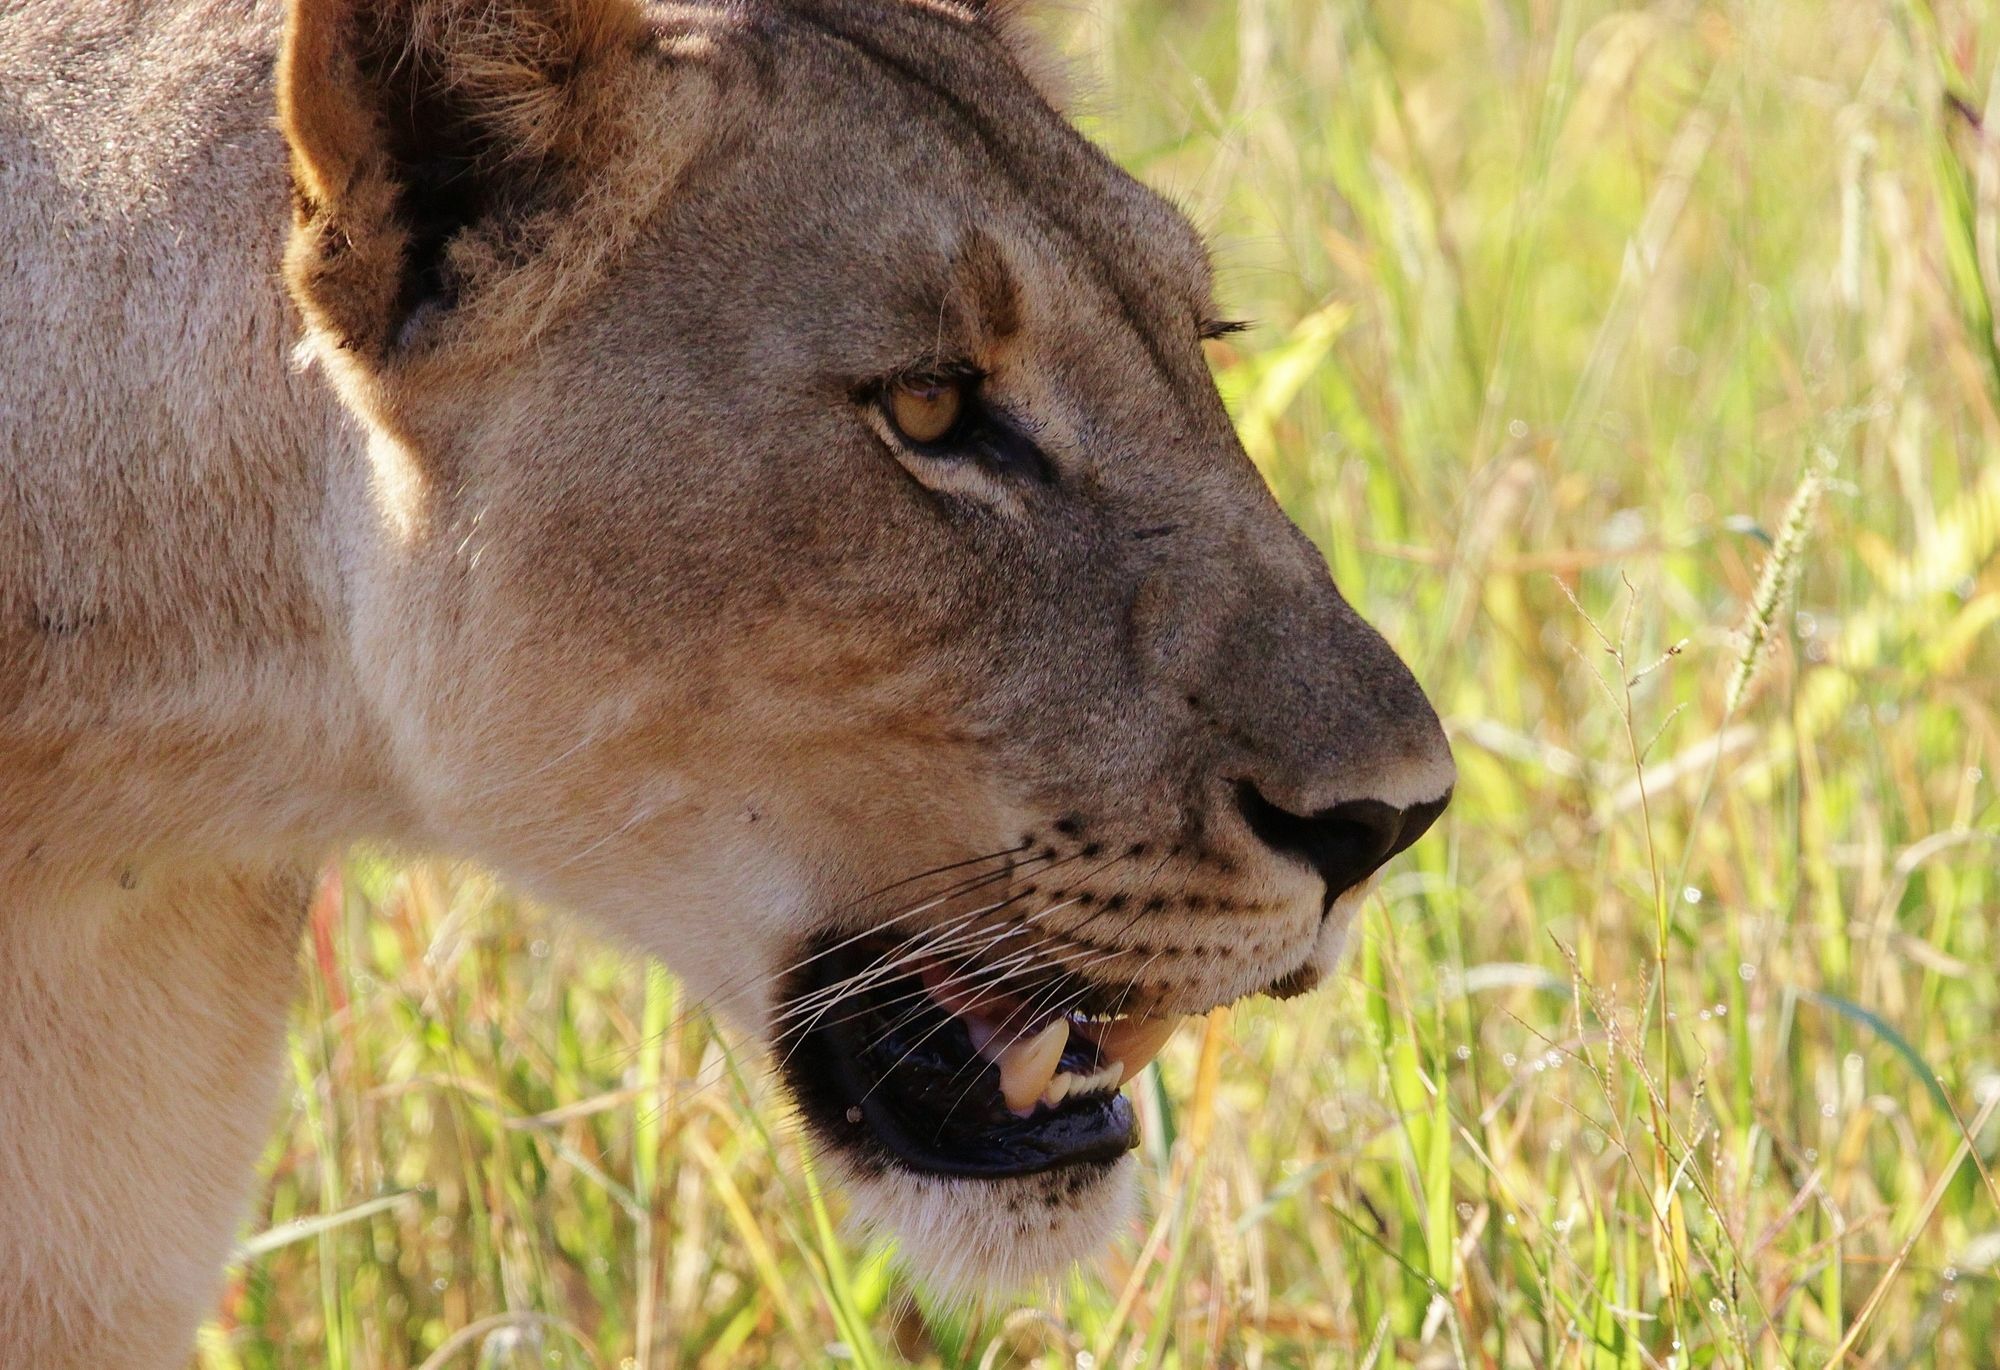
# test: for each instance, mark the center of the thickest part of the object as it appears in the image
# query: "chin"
(975, 1240)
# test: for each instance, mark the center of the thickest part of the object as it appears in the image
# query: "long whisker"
(912, 911)
(1009, 969)
(916, 994)
(990, 989)
(853, 985)
(931, 951)
(925, 945)
(934, 870)
(893, 960)
(967, 946)
(1035, 864)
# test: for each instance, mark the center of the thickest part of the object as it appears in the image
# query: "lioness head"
(801, 530)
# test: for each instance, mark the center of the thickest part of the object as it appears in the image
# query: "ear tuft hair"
(418, 125)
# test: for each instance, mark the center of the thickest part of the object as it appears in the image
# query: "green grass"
(1678, 1043)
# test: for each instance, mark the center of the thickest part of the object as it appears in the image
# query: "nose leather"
(1346, 843)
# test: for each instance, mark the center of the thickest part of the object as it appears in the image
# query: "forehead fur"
(957, 93)
(1010, 22)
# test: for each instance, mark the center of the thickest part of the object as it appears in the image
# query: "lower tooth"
(1068, 1085)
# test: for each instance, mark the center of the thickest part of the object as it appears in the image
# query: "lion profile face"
(804, 533)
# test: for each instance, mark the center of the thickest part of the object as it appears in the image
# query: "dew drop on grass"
(1691, 895)
(1715, 1305)
(1462, 1052)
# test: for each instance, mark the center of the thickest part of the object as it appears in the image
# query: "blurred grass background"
(1635, 366)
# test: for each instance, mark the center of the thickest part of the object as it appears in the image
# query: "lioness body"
(554, 517)
(169, 617)
(152, 411)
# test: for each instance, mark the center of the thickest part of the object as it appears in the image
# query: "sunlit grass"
(1678, 1043)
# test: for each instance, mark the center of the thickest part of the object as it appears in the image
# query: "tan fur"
(447, 422)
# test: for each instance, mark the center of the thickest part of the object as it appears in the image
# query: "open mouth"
(939, 1069)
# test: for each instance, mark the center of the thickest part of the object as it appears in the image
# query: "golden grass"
(1679, 1042)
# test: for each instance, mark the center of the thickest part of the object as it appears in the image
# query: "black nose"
(1346, 843)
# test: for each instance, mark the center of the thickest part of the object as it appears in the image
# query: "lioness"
(745, 469)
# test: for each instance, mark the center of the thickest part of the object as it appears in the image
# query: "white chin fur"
(978, 1240)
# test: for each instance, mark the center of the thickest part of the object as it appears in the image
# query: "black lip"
(892, 1077)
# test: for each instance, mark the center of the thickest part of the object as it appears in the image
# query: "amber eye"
(925, 410)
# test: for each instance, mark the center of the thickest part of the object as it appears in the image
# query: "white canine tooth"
(1027, 1064)
(1059, 1088)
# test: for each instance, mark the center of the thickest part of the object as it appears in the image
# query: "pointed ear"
(439, 148)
